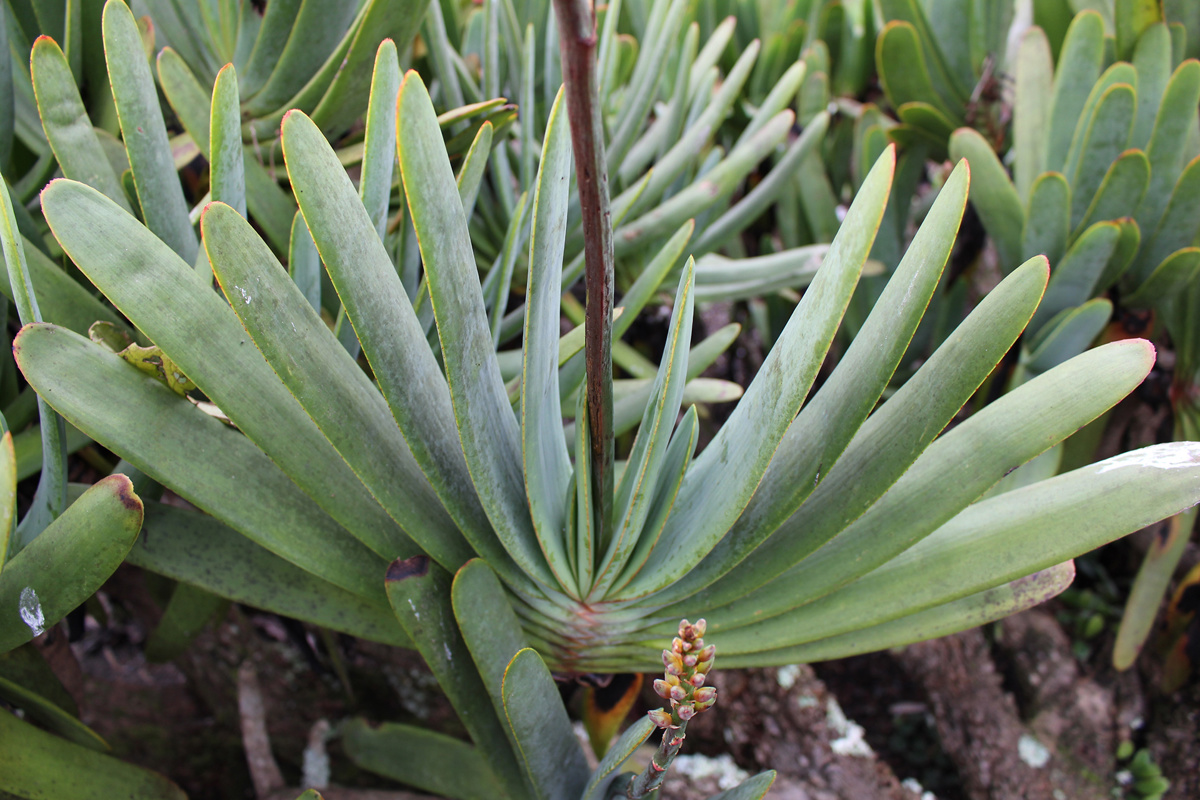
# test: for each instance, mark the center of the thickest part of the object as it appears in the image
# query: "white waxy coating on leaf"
(1174, 455)
(30, 609)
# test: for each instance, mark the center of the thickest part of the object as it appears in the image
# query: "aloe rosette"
(840, 529)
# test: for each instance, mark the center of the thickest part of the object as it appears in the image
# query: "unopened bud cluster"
(687, 664)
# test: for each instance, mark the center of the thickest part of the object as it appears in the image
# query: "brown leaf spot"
(401, 568)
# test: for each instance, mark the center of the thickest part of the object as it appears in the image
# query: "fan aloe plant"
(798, 537)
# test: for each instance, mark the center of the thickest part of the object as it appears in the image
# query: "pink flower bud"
(706, 695)
(678, 694)
(660, 718)
(708, 653)
(700, 627)
(662, 689)
(689, 660)
(697, 679)
(686, 712)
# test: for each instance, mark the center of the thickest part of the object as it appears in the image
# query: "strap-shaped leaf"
(750, 789)
(326, 382)
(201, 459)
(1076, 277)
(227, 175)
(721, 278)
(273, 32)
(201, 334)
(1002, 539)
(419, 591)
(318, 29)
(1079, 65)
(826, 425)
(69, 561)
(892, 438)
(691, 144)
(183, 25)
(620, 751)
(932, 123)
(50, 715)
(201, 551)
(487, 428)
(903, 70)
(7, 106)
(1104, 137)
(489, 627)
(418, 757)
(675, 465)
(1179, 222)
(342, 102)
(638, 486)
(1048, 219)
(1152, 582)
(550, 753)
(1127, 248)
(49, 498)
(1168, 281)
(474, 167)
(159, 191)
(271, 207)
(304, 263)
(1121, 191)
(1032, 109)
(1130, 21)
(1152, 60)
(387, 327)
(650, 279)
(547, 468)
(740, 453)
(1167, 148)
(348, 66)
(379, 147)
(188, 612)
(780, 97)
(716, 184)
(586, 535)
(1066, 336)
(34, 763)
(646, 80)
(949, 85)
(66, 122)
(967, 612)
(750, 207)
(8, 492)
(992, 194)
(956, 470)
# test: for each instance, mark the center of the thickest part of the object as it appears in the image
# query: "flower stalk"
(577, 43)
(686, 665)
